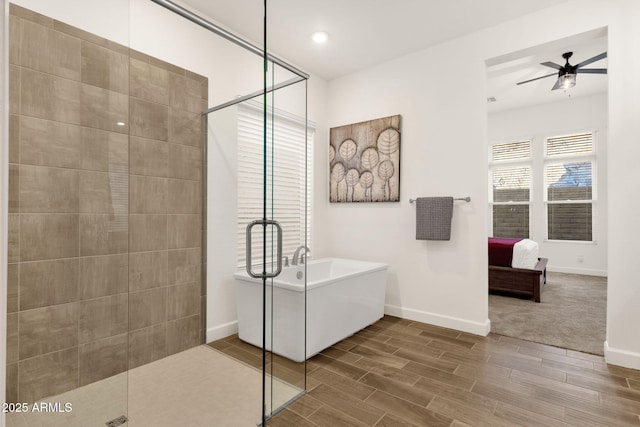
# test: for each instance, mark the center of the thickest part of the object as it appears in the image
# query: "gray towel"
(433, 218)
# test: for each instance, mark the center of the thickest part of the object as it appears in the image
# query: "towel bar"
(466, 199)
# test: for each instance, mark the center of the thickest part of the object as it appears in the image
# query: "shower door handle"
(264, 223)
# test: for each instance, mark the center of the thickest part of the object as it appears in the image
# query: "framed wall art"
(364, 161)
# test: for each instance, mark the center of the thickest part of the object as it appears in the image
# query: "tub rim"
(373, 267)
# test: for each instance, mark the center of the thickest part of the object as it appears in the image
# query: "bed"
(515, 268)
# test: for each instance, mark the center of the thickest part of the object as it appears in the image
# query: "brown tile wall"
(105, 221)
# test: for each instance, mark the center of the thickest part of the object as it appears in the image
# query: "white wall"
(587, 113)
(442, 134)
(221, 218)
(623, 299)
(441, 95)
(106, 19)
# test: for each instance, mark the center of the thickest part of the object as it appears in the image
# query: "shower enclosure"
(128, 184)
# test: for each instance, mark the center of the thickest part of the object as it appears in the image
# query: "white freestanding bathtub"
(343, 296)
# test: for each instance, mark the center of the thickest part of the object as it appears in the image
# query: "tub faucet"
(297, 256)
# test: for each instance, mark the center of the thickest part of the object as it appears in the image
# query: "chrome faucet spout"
(297, 257)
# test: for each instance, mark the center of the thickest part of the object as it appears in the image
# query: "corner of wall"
(582, 271)
(476, 328)
(619, 357)
(222, 331)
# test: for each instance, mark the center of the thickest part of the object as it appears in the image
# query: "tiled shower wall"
(105, 217)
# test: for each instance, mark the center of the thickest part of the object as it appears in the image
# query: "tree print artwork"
(385, 172)
(370, 158)
(337, 175)
(389, 141)
(353, 178)
(364, 161)
(348, 149)
(366, 181)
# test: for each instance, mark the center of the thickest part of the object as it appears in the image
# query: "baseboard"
(583, 271)
(476, 328)
(616, 356)
(222, 331)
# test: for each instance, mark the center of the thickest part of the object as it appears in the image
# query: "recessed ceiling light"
(320, 37)
(120, 123)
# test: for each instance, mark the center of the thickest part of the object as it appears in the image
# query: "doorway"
(524, 122)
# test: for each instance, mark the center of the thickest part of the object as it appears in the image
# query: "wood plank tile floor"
(397, 372)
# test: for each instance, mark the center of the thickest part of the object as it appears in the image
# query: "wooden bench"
(519, 281)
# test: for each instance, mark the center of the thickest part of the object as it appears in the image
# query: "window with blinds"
(510, 151)
(569, 187)
(289, 160)
(570, 145)
(510, 195)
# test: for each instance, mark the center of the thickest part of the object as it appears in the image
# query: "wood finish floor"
(398, 372)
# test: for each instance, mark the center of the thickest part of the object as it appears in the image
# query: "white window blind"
(510, 151)
(289, 160)
(569, 187)
(510, 195)
(572, 145)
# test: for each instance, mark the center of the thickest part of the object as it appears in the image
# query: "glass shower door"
(287, 202)
(68, 301)
(273, 239)
(280, 118)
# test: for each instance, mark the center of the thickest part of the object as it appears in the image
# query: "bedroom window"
(289, 175)
(510, 188)
(570, 186)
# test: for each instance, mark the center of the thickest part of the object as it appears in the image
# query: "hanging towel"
(433, 218)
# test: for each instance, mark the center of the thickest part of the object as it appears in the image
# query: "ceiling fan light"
(567, 81)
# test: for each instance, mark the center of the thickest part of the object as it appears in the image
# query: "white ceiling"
(367, 32)
(362, 32)
(503, 73)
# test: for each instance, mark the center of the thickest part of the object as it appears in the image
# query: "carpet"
(571, 313)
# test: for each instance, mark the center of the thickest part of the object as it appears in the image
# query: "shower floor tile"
(198, 387)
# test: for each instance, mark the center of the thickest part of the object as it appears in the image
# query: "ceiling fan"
(567, 72)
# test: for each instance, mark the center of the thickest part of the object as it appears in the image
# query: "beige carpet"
(571, 313)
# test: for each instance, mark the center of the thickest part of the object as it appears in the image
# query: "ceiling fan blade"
(537, 78)
(551, 64)
(592, 71)
(590, 60)
(557, 85)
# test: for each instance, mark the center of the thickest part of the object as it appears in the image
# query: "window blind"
(511, 195)
(576, 144)
(509, 151)
(569, 187)
(289, 178)
(510, 180)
